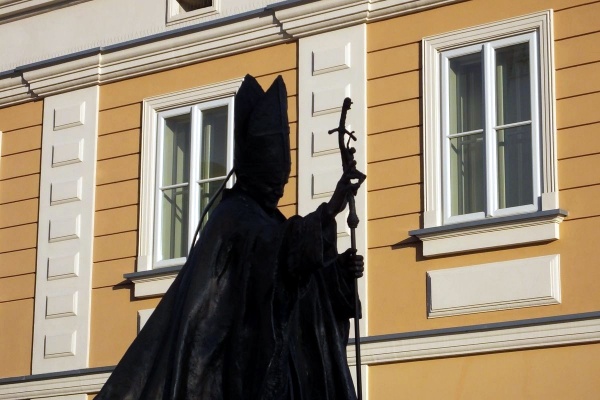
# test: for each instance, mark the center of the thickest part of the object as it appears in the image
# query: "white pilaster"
(65, 232)
(332, 66)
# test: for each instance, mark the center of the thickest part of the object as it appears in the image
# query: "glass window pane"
(207, 191)
(465, 81)
(214, 143)
(513, 93)
(176, 150)
(515, 169)
(190, 5)
(467, 174)
(174, 234)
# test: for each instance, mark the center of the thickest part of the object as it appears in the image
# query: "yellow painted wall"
(560, 373)
(397, 270)
(117, 193)
(21, 128)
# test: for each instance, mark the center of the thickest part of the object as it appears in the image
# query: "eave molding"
(11, 10)
(54, 386)
(383, 351)
(275, 24)
(518, 335)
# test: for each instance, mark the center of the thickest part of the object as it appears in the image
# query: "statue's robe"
(260, 311)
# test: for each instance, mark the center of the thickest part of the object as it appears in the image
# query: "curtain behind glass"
(513, 102)
(467, 150)
(213, 160)
(175, 186)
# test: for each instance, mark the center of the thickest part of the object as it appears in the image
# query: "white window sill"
(539, 226)
(154, 282)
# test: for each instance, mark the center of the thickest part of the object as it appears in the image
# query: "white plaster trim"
(153, 286)
(13, 90)
(273, 26)
(373, 353)
(68, 386)
(11, 10)
(496, 286)
(65, 237)
(320, 98)
(509, 339)
(322, 16)
(487, 237)
(150, 108)
(433, 46)
(143, 317)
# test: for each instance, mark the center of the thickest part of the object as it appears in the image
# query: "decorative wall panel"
(65, 232)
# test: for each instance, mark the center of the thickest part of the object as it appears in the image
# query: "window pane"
(174, 233)
(190, 5)
(467, 174)
(513, 94)
(214, 143)
(207, 191)
(515, 169)
(465, 81)
(176, 150)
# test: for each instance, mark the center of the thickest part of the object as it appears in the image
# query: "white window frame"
(195, 112)
(201, 97)
(443, 236)
(490, 127)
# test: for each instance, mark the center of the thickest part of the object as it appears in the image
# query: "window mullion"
(158, 191)
(491, 160)
(534, 79)
(194, 172)
(445, 131)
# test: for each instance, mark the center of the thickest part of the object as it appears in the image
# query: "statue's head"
(262, 146)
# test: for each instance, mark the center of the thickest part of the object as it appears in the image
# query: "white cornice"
(375, 350)
(13, 90)
(11, 10)
(459, 344)
(321, 16)
(54, 387)
(276, 24)
(67, 76)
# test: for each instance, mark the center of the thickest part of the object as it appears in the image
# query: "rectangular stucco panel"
(398, 294)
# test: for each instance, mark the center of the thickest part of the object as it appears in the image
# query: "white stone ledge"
(451, 344)
(540, 226)
(545, 332)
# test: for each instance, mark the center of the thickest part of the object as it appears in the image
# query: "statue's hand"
(347, 186)
(351, 263)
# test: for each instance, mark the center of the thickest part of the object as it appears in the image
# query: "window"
(188, 10)
(194, 155)
(489, 104)
(190, 5)
(187, 151)
(489, 137)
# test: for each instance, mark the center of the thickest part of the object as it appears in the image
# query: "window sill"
(153, 282)
(540, 226)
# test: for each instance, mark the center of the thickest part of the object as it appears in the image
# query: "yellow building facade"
(473, 289)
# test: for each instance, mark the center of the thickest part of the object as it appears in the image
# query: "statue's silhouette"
(261, 308)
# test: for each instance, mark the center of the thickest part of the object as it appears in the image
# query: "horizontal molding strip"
(479, 339)
(274, 24)
(519, 335)
(55, 384)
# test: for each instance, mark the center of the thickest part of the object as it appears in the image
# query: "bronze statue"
(261, 309)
